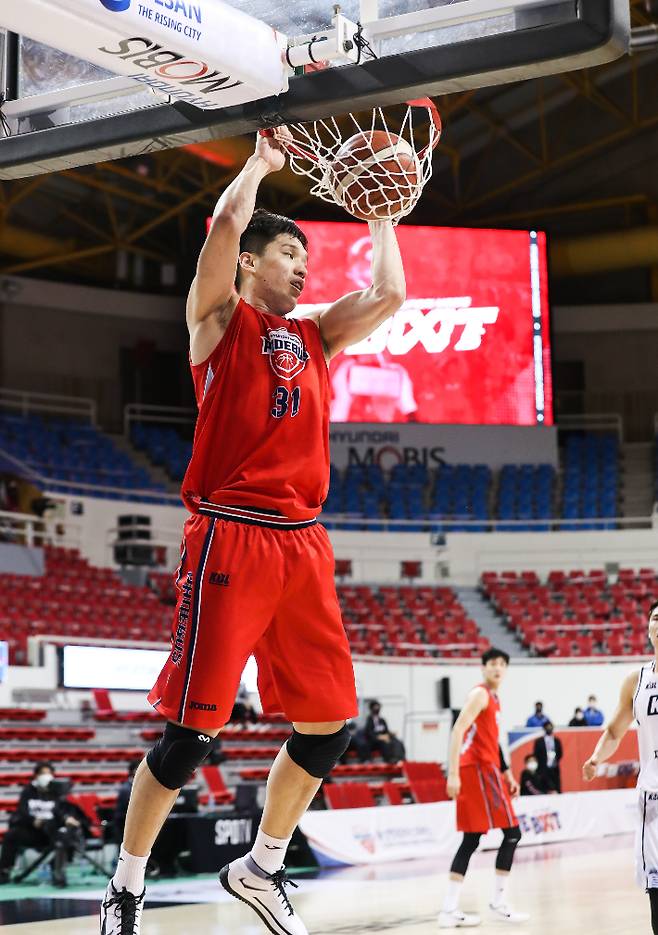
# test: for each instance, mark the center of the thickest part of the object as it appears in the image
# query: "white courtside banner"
(202, 52)
(431, 445)
(405, 832)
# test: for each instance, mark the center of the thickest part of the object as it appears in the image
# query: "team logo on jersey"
(286, 351)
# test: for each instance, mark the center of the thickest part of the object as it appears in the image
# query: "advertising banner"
(470, 345)
(200, 52)
(406, 832)
(432, 445)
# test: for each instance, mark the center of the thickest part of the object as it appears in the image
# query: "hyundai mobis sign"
(470, 346)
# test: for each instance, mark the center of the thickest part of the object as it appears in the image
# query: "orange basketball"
(374, 174)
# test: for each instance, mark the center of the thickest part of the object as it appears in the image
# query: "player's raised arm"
(477, 701)
(615, 730)
(212, 298)
(356, 315)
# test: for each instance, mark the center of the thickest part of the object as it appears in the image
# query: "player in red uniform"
(476, 771)
(256, 571)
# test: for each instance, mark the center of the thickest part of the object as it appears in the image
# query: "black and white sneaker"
(266, 895)
(121, 912)
(503, 911)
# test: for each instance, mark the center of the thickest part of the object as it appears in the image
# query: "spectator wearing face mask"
(532, 782)
(578, 719)
(380, 738)
(593, 714)
(548, 753)
(43, 820)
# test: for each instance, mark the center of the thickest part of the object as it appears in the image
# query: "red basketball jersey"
(480, 745)
(262, 433)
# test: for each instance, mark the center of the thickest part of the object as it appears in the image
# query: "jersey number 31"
(284, 400)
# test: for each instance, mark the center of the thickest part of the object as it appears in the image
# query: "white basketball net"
(386, 192)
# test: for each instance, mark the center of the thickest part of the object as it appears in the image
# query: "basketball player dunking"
(639, 701)
(256, 571)
(480, 781)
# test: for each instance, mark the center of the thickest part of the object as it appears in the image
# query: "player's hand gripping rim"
(270, 147)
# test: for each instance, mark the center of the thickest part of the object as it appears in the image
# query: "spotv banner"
(469, 346)
(407, 832)
(431, 445)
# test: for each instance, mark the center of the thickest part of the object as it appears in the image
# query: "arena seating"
(526, 492)
(590, 479)
(105, 710)
(348, 795)
(78, 600)
(21, 714)
(73, 598)
(96, 758)
(421, 622)
(575, 613)
(164, 446)
(69, 452)
(424, 622)
(422, 782)
(426, 498)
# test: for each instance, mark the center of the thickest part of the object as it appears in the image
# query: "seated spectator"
(243, 710)
(358, 744)
(379, 738)
(532, 782)
(593, 714)
(43, 820)
(548, 753)
(538, 719)
(578, 719)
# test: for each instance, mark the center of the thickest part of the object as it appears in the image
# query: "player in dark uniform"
(256, 571)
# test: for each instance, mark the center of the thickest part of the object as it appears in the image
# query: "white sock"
(130, 872)
(269, 853)
(500, 885)
(451, 898)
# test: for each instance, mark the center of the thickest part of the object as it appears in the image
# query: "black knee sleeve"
(317, 754)
(177, 754)
(464, 853)
(511, 837)
(653, 900)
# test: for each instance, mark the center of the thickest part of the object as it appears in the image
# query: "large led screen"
(116, 667)
(470, 344)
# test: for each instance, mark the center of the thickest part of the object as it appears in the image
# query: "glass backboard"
(61, 112)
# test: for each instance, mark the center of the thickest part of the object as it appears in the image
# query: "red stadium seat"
(585, 644)
(216, 785)
(393, 792)
(348, 795)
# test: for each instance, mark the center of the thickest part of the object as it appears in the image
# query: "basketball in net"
(374, 175)
(378, 172)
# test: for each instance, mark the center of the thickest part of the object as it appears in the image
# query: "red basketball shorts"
(244, 589)
(484, 801)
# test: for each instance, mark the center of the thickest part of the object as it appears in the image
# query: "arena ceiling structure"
(573, 154)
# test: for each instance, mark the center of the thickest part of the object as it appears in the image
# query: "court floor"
(568, 889)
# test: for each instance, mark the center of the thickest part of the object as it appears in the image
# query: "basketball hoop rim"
(425, 102)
